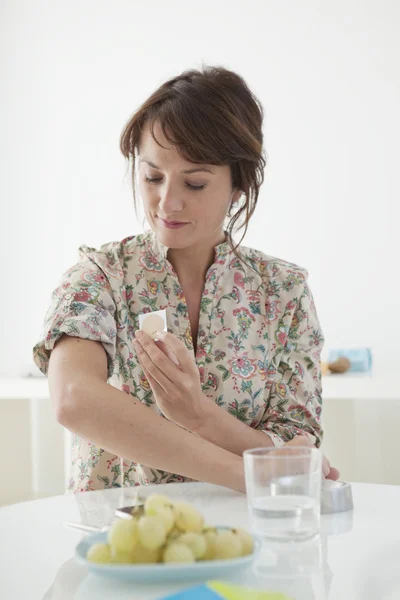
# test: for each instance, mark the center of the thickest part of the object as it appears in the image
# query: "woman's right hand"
(328, 471)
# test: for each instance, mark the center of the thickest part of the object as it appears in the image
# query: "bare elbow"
(65, 402)
(76, 366)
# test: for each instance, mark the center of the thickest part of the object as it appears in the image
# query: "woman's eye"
(152, 179)
(156, 180)
(195, 187)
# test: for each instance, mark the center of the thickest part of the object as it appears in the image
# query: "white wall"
(15, 448)
(328, 76)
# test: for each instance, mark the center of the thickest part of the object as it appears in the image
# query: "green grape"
(121, 556)
(157, 501)
(99, 553)
(152, 532)
(188, 518)
(228, 545)
(247, 541)
(173, 534)
(166, 514)
(178, 553)
(143, 555)
(210, 535)
(161, 506)
(123, 535)
(194, 541)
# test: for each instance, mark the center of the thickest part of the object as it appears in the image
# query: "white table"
(360, 550)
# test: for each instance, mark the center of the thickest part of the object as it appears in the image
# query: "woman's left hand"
(173, 376)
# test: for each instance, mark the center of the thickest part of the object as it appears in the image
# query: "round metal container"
(336, 497)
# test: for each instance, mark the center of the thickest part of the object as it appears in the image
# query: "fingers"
(156, 368)
(328, 471)
(157, 389)
(333, 474)
(154, 358)
(185, 358)
(300, 440)
(167, 352)
(325, 466)
(169, 349)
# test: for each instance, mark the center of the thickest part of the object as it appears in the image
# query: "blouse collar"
(160, 250)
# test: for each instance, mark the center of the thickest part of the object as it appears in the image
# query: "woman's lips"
(172, 224)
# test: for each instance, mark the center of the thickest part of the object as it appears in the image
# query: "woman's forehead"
(160, 152)
(154, 146)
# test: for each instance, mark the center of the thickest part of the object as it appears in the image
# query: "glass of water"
(283, 489)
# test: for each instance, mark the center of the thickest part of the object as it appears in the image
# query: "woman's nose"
(171, 200)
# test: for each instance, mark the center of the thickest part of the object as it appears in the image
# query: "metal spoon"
(125, 512)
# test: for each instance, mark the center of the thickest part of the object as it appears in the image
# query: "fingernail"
(160, 335)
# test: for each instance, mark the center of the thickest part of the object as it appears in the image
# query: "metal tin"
(336, 496)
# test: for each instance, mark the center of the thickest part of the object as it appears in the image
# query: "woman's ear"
(236, 196)
(235, 199)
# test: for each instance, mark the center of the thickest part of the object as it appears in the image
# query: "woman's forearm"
(100, 413)
(222, 429)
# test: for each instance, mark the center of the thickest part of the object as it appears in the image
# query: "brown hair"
(212, 117)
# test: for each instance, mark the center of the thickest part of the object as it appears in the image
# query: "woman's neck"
(191, 264)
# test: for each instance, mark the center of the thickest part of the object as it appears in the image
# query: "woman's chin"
(173, 238)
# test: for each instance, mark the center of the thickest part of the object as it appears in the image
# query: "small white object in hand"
(153, 322)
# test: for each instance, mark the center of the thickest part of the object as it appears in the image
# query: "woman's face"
(185, 203)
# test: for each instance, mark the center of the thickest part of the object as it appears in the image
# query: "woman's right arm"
(87, 405)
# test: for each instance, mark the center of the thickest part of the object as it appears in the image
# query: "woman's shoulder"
(272, 267)
(113, 258)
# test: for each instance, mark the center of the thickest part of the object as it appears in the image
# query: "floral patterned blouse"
(258, 348)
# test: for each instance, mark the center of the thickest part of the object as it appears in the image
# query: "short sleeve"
(81, 306)
(295, 402)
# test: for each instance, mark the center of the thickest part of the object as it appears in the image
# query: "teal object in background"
(219, 590)
(200, 592)
(360, 359)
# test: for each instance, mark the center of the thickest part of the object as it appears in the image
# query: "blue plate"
(207, 569)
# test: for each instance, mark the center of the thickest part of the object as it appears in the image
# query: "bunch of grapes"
(168, 532)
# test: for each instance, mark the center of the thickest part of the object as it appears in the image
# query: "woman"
(240, 364)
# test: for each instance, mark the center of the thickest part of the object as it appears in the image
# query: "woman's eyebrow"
(186, 172)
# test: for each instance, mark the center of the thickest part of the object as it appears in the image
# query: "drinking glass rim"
(265, 452)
